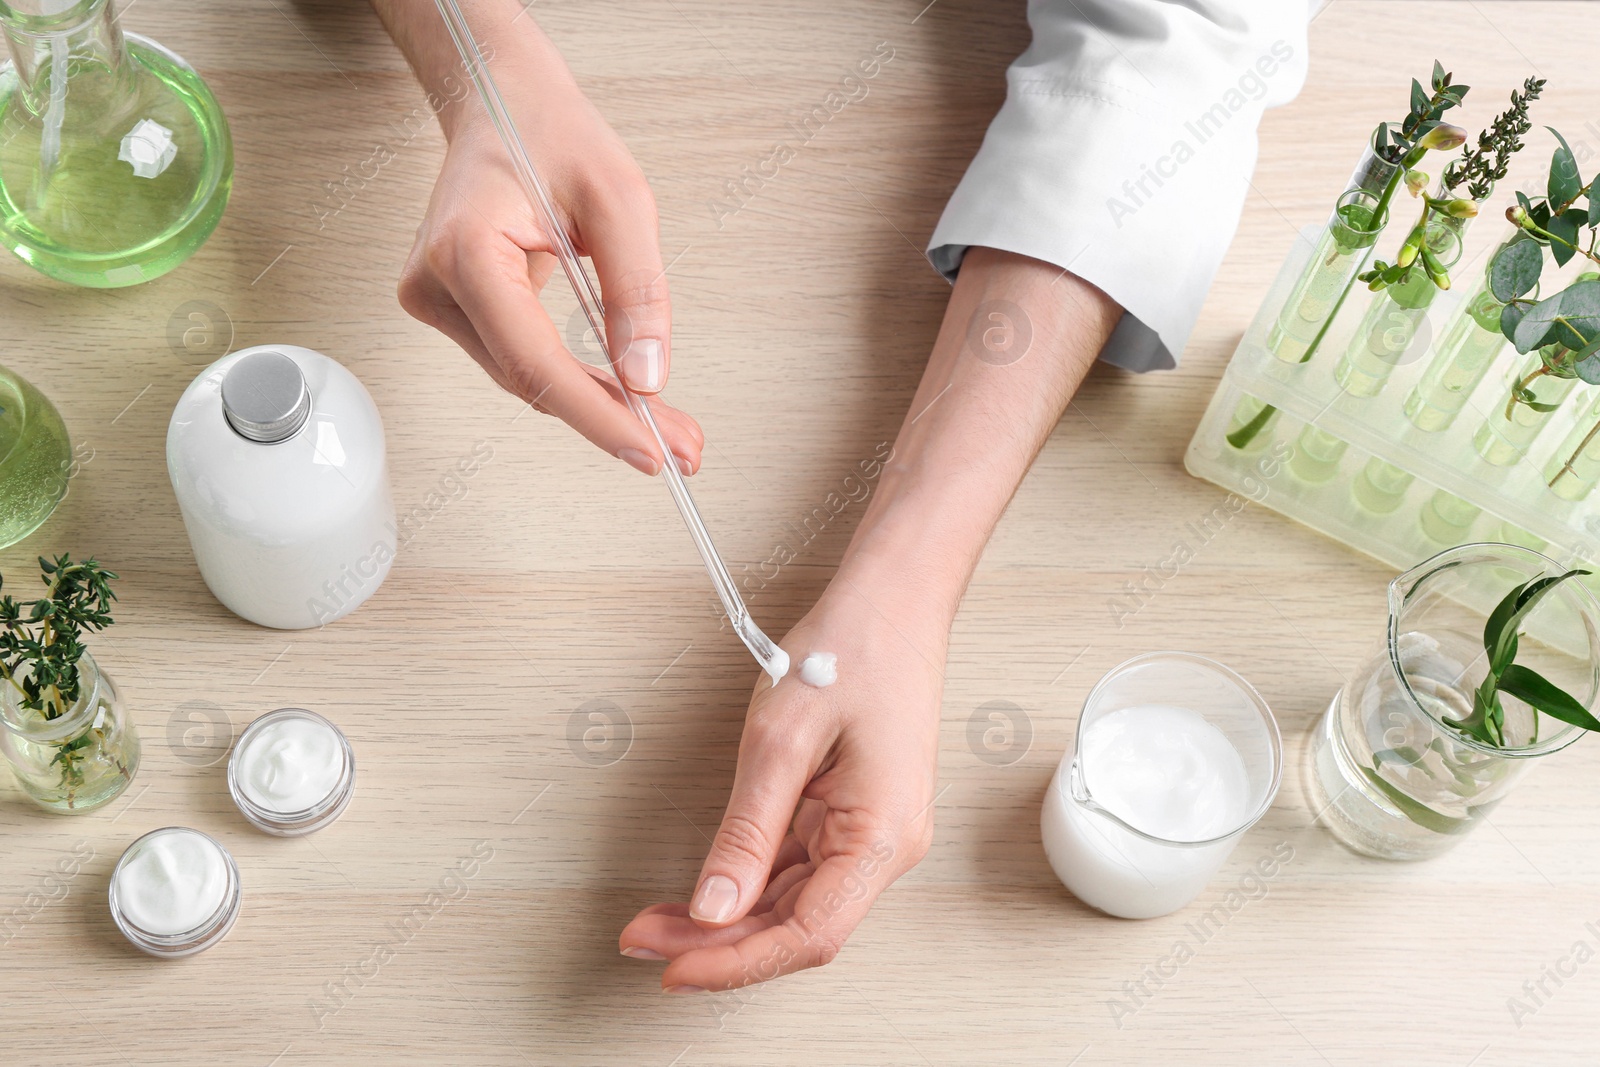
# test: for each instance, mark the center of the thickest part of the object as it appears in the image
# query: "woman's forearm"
(505, 31)
(1018, 337)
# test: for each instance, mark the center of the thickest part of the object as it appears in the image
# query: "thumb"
(633, 284)
(766, 788)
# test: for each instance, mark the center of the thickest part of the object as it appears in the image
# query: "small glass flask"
(74, 757)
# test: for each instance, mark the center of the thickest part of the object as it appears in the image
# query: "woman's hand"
(782, 889)
(480, 258)
(863, 751)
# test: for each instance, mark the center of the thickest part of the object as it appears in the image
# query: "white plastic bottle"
(276, 456)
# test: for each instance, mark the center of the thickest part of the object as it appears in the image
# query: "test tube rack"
(1484, 502)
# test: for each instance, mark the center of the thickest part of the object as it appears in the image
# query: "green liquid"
(1251, 419)
(1516, 535)
(1338, 257)
(1504, 441)
(1316, 455)
(1468, 349)
(35, 458)
(90, 220)
(1385, 333)
(1574, 469)
(1381, 486)
(1446, 518)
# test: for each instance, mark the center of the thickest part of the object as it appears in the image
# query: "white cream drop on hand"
(779, 667)
(174, 883)
(820, 669)
(291, 764)
(1166, 771)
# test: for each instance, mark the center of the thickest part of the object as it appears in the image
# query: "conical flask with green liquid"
(115, 159)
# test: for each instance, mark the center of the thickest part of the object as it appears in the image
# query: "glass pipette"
(772, 659)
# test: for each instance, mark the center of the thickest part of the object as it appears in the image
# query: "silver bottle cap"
(265, 397)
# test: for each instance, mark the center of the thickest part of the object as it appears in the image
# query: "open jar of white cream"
(175, 892)
(291, 772)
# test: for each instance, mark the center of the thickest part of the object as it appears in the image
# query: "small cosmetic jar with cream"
(175, 892)
(291, 772)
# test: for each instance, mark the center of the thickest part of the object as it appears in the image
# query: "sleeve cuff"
(1135, 190)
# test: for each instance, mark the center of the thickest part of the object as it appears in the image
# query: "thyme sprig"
(1486, 163)
(41, 641)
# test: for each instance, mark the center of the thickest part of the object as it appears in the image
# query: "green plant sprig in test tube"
(1478, 168)
(1420, 132)
(1402, 147)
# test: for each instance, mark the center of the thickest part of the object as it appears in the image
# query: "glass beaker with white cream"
(292, 772)
(175, 892)
(1176, 757)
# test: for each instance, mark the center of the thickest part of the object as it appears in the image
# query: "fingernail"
(639, 461)
(683, 989)
(685, 468)
(715, 900)
(644, 365)
(634, 952)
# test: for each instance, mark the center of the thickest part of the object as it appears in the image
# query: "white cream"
(148, 148)
(1165, 771)
(779, 667)
(290, 764)
(820, 669)
(172, 882)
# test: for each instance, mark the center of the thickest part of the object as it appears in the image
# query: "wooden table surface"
(556, 584)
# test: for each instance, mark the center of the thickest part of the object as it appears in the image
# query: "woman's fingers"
(782, 884)
(668, 935)
(491, 285)
(790, 854)
(473, 307)
(683, 434)
(666, 931)
(620, 235)
(778, 754)
(825, 911)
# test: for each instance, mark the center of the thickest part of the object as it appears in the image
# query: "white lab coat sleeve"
(1124, 151)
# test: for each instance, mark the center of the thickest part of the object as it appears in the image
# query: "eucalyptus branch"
(1554, 221)
(1520, 393)
(1524, 219)
(1501, 638)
